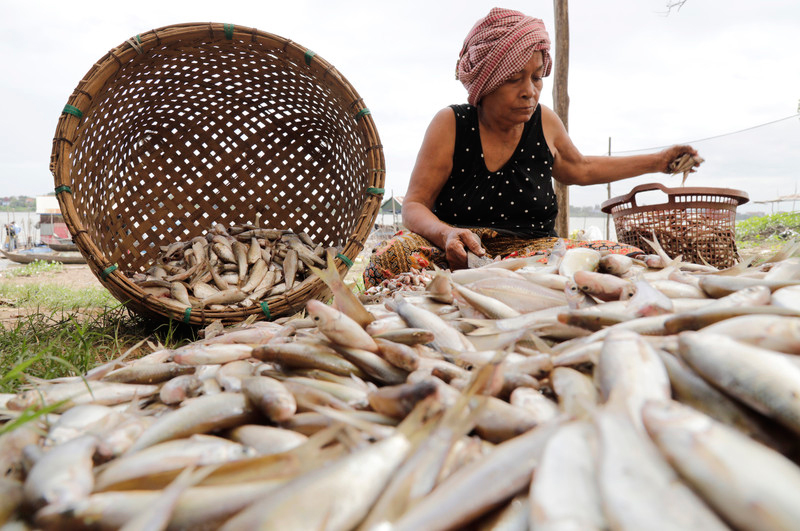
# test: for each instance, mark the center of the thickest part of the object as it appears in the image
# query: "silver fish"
(750, 485)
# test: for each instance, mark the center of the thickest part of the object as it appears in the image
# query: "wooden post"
(608, 187)
(561, 103)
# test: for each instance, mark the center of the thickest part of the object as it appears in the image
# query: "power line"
(710, 137)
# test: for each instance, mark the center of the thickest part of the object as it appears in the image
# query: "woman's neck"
(496, 126)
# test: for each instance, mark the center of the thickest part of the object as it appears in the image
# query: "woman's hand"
(456, 243)
(669, 155)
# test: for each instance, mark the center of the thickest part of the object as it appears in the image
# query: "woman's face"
(518, 96)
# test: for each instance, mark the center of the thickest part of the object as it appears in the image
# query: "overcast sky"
(638, 75)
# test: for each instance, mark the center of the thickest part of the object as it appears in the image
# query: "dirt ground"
(74, 276)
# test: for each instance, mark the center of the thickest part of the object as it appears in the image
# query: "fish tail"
(330, 276)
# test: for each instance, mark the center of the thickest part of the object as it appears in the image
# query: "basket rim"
(606, 206)
(94, 82)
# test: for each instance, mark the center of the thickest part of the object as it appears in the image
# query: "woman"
(483, 176)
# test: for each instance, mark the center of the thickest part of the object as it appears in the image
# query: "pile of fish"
(409, 281)
(699, 237)
(589, 392)
(231, 267)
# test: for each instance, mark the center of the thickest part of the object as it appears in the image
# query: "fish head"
(320, 313)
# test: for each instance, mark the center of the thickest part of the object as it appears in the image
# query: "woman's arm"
(571, 167)
(431, 170)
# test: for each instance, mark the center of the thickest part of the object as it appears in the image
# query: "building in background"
(51, 222)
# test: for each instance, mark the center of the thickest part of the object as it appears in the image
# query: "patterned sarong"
(407, 251)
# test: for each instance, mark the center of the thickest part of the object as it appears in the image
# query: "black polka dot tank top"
(517, 199)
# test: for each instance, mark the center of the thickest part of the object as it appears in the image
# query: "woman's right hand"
(456, 243)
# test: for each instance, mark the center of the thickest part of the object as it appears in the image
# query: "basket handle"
(631, 196)
(739, 196)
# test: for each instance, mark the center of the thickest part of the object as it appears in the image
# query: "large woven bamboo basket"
(192, 124)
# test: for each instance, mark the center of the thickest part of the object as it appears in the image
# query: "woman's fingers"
(474, 243)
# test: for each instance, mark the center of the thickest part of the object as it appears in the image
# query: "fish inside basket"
(695, 222)
(193, 126)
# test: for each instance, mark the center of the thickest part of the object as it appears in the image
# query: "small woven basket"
(695, 222)
(194, 124)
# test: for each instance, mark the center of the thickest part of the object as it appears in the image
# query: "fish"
(267, 440)
(489, 306)
(11, 445)
(62, 475)
(179, 389)
(630, 373)
(469, 276)
(290, 263)
(521, 295)
(373, 365)
(147, 373)
(534, 402)
(747, 483)
(344, 299)
(788, 297)
(578, 259)
(648, 301)
(66, 395)
(470, 491)
(615, 264)
(720, 286)
(766, 381)
(79, 420)
(271, 397)
(298, 355)
(637, 485)
(11, 498)
(772, 332)
(576, 393)
(257, 273)
(179, 292)
(145, 469)
(577, 299)
(446, 338)
(311, 500)
(601, 285)
(564, 492)
(340, 328)
(201, 415)
(211, 354)
(691, 389)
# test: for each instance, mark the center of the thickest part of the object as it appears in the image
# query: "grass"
(34, 268)
(65, 331)
(767, 228)
(57, 296)
(64, 343)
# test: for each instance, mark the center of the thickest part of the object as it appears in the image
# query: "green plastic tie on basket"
(344, 259)
(308, 56)
(228, 29)
(74, 111)
(63, 188)
(187, 314)
(362, 112)
(375, 191)
(107, 271)
(265, 309)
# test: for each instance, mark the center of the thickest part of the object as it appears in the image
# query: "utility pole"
(561, 103)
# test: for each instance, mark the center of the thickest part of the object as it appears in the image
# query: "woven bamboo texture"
(192, 124)
(696, 222)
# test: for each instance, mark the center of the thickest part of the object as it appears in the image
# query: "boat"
(26, 257)
(63, 245)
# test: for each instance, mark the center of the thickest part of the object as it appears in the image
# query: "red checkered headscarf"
(497, 47)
